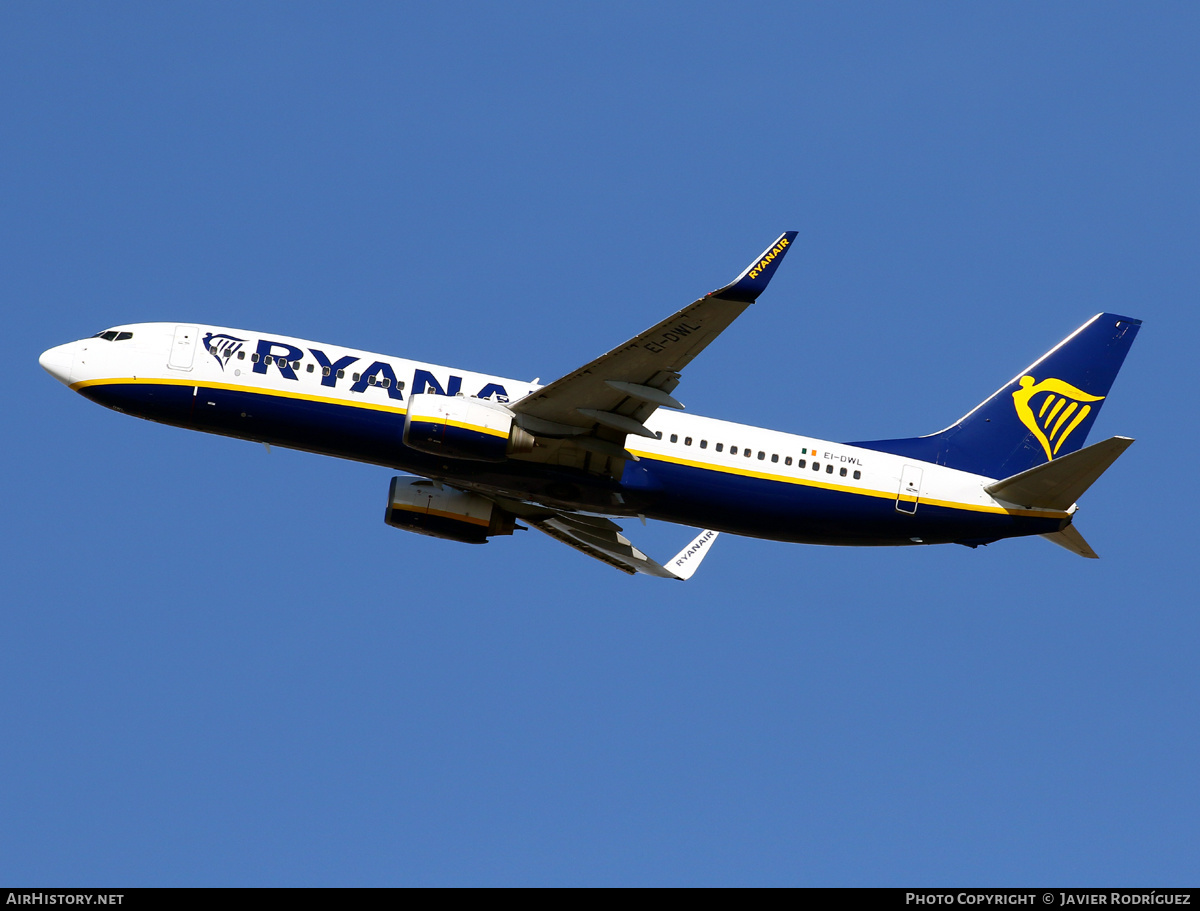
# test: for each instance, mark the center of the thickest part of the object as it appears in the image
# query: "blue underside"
(706, 498)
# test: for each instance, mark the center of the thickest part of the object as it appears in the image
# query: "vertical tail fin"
(1045, 411)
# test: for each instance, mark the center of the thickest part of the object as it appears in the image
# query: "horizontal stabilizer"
(1073, 541)
(1060, 483)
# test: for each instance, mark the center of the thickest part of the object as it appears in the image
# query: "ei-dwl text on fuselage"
(610, 440)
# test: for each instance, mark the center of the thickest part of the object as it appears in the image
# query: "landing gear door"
(183, 348)
(910, 489)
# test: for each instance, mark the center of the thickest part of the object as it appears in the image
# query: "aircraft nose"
(59, 361)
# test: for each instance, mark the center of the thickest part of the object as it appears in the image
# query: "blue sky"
(222, 668)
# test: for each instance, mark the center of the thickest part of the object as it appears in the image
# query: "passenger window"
(295, 365)
(674, 438)
(371, 380)
(720, 446)
(761, 455)
(499, 398)
(842, 472)
(774, 457)
(747, 452)
(787, 461)
(342, 375)
(857, 475)
(254, 358)
(241, 355)
(310, 368)
(733, 450)
(324, 371)
(356, 376)
(828, 469)
(816, 466)
(386, 382)
(800, 463)
(704, 444)
(687, 441)
(268, 360)
(658, 435)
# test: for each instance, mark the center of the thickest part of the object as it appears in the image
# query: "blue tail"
(1045, 411)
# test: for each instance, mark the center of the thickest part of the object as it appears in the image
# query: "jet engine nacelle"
(463, 428)
(423, 507)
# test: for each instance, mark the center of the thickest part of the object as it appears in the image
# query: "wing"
(596, 406)
(603, 540)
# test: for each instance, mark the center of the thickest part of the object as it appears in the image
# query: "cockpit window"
(112, 335)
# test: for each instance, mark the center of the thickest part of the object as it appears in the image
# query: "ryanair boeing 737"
(610, 440)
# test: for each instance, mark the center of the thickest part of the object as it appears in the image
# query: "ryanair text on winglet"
(698, 545)
(762, 263)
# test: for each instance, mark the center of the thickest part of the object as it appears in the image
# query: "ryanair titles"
(287, 359)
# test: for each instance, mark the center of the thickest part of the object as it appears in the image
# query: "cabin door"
(910, 489)
(183, 348)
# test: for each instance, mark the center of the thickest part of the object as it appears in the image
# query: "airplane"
(610, 440)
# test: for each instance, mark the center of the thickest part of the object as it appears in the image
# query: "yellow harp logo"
(1060, 409)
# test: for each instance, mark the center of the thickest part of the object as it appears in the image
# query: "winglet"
(753, 281)
(687, 561)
